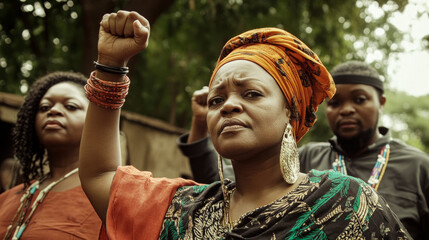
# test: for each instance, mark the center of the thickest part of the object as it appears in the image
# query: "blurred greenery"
(408, 117)
(186, 38)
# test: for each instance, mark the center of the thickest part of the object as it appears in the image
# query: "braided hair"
(28, 150)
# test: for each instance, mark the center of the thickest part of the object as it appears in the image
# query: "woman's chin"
(232, 151)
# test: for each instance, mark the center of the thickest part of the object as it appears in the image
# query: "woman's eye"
(71, 107)
(215, 101)
(44, 108)
(252, 94)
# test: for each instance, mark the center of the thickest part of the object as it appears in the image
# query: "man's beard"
(356, 143)
(353, 145)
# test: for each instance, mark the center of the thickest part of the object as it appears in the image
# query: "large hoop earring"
(289, 160)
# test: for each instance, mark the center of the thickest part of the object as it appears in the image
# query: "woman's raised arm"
(121, 36)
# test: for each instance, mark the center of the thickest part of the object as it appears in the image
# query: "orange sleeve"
(138, 203)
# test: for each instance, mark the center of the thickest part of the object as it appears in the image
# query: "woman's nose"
(55, 111)
(231, 105)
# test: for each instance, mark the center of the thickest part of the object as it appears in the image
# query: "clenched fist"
(122, 35)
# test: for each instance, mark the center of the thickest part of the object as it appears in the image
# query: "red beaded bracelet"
(106, 94)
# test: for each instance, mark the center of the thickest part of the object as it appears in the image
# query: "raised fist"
(122, 35)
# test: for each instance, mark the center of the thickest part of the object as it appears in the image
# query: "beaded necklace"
(21, 221)
(376, 173)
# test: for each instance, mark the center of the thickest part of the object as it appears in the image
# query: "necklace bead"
(20, 221)
(378, 170)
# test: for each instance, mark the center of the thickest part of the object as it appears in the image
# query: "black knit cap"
(358, 79)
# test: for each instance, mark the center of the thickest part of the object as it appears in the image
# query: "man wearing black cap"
(360, 148)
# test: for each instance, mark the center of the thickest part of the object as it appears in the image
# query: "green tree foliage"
(408, 116)
(36, 38)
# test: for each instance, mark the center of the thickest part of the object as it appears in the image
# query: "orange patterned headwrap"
(300, 74)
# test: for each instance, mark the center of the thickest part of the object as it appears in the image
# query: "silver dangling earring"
(289, 160)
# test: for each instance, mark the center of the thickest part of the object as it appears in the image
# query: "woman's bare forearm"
(100, 155)
(122, 35)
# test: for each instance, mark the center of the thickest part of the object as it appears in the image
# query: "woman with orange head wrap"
(262, 98)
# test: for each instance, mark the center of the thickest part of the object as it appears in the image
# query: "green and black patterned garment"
(326, 205)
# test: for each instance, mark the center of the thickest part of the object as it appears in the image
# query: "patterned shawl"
(326, 205)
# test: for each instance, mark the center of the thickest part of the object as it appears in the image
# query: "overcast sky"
(409, 71)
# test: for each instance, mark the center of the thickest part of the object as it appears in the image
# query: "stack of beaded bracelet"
(108, 95)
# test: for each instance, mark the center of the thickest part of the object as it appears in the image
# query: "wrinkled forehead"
(240, 73)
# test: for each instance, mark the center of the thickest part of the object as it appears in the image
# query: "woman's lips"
(53, 125)
(231, 128)
(231, 125)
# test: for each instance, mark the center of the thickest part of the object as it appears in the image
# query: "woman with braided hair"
(263, 94)
(50, 204)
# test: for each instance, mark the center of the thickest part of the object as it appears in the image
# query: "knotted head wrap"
(300, 74)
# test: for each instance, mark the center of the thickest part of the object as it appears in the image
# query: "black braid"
(27, 147)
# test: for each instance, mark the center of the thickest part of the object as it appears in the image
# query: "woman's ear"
(288, 113)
